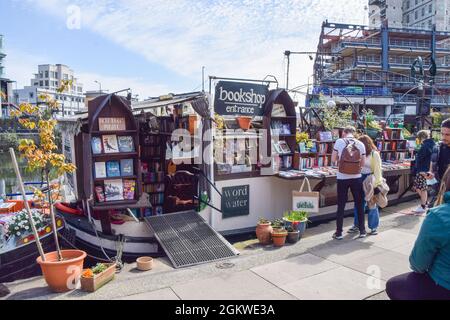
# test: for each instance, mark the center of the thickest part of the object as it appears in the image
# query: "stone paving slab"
(382, 266)
(244, 285)
(336, 284)
(287, 271)
(345, 250)
(412, 227)
(163, 294)
(390, 239)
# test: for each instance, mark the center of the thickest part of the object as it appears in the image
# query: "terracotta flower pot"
(279, 238)
(264, 233)
(62, 276)
(145, 263)
(244, 122)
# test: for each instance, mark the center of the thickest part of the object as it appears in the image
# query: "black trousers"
(356, 187)
(415, 286)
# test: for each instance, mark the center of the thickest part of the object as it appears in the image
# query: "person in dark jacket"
(422, 169)
(430, 257)
(441, 153)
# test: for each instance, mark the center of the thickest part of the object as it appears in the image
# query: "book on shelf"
(126, 167)
(126, 144)
(325, 136)
(113, 169)
(99, 193)
(110, 144)
(159, 210)
(157, 199)
(100, 170)
(96, 143)
(129, 188)
(114, 190)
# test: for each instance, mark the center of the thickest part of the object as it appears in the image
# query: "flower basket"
(92, 284)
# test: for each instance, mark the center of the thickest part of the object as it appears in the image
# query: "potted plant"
(244, 122)
(279, 233)
(61, 267)
(373, 128)
(296, 220)
(93, 279)
(293, 235)
(264, 231)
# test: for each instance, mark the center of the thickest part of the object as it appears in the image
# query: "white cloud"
(22, 66)
(234, 38)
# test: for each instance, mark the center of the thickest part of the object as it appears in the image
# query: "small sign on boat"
(236, 201)
(111, 124)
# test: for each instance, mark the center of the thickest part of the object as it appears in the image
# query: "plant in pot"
(373, 128)
(279, 233)
(293, 235)
(264, 231)
(244, 122)
(62, 266)
(297, 220)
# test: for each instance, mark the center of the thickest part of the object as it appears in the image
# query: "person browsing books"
(349, 153)
(421, 169)
(440, 159)
(372, 165)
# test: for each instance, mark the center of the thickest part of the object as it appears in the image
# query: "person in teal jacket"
(430, 257)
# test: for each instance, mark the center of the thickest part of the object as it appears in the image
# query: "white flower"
(17, 228)
(18, 234)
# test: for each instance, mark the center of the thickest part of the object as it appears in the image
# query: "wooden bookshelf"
(110, 115)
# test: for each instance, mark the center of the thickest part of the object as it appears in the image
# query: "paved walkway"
(315, 268)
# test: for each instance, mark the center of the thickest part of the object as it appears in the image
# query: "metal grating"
(188, 240)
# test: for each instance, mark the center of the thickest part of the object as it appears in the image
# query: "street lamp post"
(99, 83)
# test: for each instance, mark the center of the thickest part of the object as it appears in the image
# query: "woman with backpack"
(430, 257)
(372, 165)
(422, 169)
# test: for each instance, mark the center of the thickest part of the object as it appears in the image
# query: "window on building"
(416, 14)
(430, 8)
(36, 84)
(46, 74)
(31, 95)
(41, 83)
(46, 83)
(423, 11)
(407, 4)
(56, 75)
(407, 18)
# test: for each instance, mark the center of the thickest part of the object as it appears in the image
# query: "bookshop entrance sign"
(236, 201)
(240, 98)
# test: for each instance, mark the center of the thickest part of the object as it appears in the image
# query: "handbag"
(306, 201)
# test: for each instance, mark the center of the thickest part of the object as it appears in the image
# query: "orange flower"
(88, 273)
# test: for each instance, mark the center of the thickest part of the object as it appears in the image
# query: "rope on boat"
(119, 247)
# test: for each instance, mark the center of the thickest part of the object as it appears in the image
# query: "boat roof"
(145, 106)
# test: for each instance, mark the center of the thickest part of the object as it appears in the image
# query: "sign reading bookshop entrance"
(239, 98)
(235, 201)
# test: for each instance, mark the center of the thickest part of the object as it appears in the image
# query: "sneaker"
(374, 232)
(353, 229)
(362, 235)
(419, 210)
(338, 236)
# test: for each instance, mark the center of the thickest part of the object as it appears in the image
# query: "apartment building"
(5, 85)
(46, 81)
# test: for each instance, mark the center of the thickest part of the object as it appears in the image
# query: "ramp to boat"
(188, 240)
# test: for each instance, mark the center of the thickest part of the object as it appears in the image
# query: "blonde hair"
(445, 187)
(423, 135)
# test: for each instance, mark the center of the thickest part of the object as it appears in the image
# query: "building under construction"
(371, 68)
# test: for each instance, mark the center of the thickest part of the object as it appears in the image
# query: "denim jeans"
(355, 186)
(374, 214)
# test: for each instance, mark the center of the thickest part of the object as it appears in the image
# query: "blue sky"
(160, 46)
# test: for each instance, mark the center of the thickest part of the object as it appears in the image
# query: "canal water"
(8, 180)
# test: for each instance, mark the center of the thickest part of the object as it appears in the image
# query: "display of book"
(100, 193)
(110, 144)
(129, 187)
(126, 144)
(96, 143)
(126, 167)
(100, 170)
(114, 190)
(113, 169)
